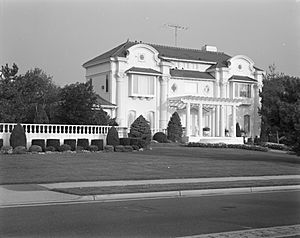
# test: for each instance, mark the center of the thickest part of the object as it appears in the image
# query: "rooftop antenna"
(176, 28)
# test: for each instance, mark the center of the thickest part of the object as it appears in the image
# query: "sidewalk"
(35, 194)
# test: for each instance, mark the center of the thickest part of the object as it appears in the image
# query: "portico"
(214, 121)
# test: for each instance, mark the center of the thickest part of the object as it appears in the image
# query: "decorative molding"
(148, 47)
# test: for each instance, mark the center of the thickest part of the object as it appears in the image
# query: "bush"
(50, 148)
(93, 148)
(6, 150)
(35, 149)
(39, 142)
(134, 141)
(141, 128)
(1, 143)
(64, 148)
(112, 137)
(174, 129)
(275, 146)
(53, 142)
(83, 143)
(71, 143)
(160, 137)
(98, 143)
(238, 130)
(128, 148)
(79, 149)
(18, 137)
(20, 150)
(223, 145)
(124, 141)
(108, 148)
(135, 147)
(119, 148)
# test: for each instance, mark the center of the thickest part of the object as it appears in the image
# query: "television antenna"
(176, 28)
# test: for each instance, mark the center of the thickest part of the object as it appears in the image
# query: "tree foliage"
(174, 129)
(112, 137)
(18, 137)
(280, 110)
(141, 128)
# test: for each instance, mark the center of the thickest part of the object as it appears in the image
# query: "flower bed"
(223, 145)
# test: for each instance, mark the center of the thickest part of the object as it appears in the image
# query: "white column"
(213, 122)
(120, 99)
(234, 121)
(217, 121)
(200, 119)
(222, 117)
(163, 113)
(209, 122)
(188, 119)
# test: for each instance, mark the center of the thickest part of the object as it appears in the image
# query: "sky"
(58, 36)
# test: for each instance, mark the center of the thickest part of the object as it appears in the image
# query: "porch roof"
(181, 101)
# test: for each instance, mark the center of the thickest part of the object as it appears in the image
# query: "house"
(209, 89)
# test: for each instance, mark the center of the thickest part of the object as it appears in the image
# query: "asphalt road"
(153, 218)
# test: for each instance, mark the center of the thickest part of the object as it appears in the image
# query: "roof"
(242, 78)
(165, 51)
(190, 74)
(104, 103)
(143, 71)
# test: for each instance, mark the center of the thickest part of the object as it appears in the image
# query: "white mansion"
(208, 89)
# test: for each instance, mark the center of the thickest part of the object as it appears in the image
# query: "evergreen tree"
(112, 137)
(238, 130)
(174, 129)
(141, 128)
(18, 136)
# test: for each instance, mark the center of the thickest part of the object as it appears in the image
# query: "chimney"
(209, 48)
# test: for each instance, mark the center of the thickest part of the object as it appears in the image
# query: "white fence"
(61, 132)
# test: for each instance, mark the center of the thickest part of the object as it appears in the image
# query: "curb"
(157, 195)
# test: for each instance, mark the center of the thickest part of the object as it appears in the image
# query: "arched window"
(131, 117)
(150, 118)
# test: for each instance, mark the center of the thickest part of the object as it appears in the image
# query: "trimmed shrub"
(275, 146)
(50, 148)
(83, 143)
(79, 149)
(93, 148)
(223, 145)
(141, 128)
(124, 141)
(35, 149)
(128, 148)
(112, 137)
(71, 142)
(135, 147)
(174, 129)
(160, 137)
(134, 141)
(20, 150)
(39, 142)
(1, 143)
(238, 130)
(6, 150)
(119, 148)
(53, 142)
(98, 143)
(64, 148)
(108, 148)
(18, 137)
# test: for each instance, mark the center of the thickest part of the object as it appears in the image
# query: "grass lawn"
(159, 163)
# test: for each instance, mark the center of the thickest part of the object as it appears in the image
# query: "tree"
(141, 128)
(112, 137)
(18, 136)
(174, 129)
(238, 130)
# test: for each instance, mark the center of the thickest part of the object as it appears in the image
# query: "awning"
(242, 78)
(146, 71)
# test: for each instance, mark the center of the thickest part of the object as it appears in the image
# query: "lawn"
(159, 163)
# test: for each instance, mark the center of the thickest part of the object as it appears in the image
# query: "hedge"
(98, 143)
(223, 145)
(71, 142)
(124, 141)
(84, 143)
(53, 142)
(39, 142)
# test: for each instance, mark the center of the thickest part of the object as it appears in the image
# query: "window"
(142, 85)
(106, 83)
(242, 90)
(131, 118)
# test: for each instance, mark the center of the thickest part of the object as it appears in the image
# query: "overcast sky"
(58, 36)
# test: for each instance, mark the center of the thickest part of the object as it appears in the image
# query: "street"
(170, 217)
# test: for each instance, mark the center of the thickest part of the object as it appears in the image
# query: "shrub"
(6, 150)
(112, 137)
(119, 148)
(35, 149)
(275, 146)
(124, 141)
(98, 143)
(20, 150)
(39, 142)
(108, 148)
(79, 149)
(83, 143)
(223, 145)
(64, 147)
(135, 147)
(1, 143)
(50, 148)
(160, 137)
(18, 137)
(128, 148)
(141, 128)
(93, 148)
(174, 129)
(238, 130)
(134, 141)
(53, 142)
(71, 142)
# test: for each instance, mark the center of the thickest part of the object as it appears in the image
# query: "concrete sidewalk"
(35, 194)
